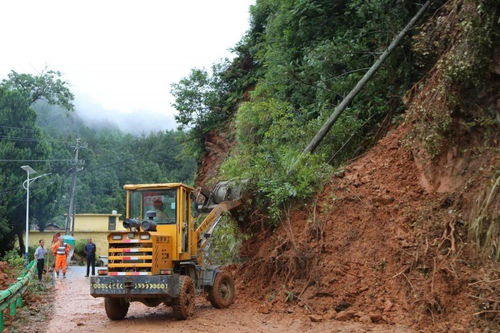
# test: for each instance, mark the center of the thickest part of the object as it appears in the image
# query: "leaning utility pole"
(71, 209)
(327, 125)
(345, 102)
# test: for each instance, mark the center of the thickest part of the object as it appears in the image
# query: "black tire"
(116, 308)
(183, 306)
(221, 294)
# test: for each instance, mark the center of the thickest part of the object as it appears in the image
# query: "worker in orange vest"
(60, 251)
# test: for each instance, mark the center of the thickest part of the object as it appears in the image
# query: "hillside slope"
(376, 244)
(406, 233)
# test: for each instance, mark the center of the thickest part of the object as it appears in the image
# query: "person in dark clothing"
(40, 253)
(89, 251)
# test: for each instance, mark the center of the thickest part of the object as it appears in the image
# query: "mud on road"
(76, 311)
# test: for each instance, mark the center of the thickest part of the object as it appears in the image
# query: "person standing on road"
(89, 251)
(60, 250)
(40, 253)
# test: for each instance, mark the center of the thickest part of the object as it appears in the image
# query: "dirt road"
(76, 311)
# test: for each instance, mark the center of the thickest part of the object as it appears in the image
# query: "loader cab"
(159, 206)
(169, 207)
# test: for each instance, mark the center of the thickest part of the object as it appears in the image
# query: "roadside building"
(95, 226)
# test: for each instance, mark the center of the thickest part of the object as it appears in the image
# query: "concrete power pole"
(70, 223)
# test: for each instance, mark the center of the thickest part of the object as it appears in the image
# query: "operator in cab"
(160, 214)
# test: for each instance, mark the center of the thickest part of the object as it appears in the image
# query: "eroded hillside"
(407, 232)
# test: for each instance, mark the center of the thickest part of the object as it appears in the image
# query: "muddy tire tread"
(183, 306)
(116, 308)
(214, 295)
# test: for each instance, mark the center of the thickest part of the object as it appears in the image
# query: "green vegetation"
(13, 258)
(294, 65)
(36, 123)
(225, 243)
(22, 139)
(459, 50)
(80, 247)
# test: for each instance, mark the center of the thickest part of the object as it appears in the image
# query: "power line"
(42, 188)
(30, 139)
(19, 187)
(61, 160)
(12, 189)
(109, 164)
(16, 138)
(22, 128)
(134, 158)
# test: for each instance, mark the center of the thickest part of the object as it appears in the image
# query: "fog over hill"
(130, 121)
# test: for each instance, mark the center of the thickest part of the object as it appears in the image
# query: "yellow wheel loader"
(160, 258)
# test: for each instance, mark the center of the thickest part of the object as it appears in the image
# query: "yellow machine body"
(154, 252)
(160, 258)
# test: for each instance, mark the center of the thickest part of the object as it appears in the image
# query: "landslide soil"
(217, 148)
(378, 245)
(37, 302)
(6, 276)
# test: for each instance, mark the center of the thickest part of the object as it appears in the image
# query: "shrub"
(270, 139)
(13, 258)
(80, 246)
(225, 243)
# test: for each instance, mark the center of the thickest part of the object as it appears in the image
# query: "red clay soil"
(378, 245)
(217, 148)
(6, 277)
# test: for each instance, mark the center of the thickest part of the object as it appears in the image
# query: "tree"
(47, 86)
(21, 139)
(298, 60)
(200, 98)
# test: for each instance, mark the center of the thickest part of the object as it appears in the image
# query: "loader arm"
(213, 217)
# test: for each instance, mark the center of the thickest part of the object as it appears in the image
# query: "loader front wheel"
(221, 294)
(183, 306)
(116, 308)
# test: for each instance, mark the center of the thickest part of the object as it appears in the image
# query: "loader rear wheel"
(183, 306)
(116, 308)
(221, 294)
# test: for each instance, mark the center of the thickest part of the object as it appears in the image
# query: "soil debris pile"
(6, 276)
(375, 246)
(408, 233)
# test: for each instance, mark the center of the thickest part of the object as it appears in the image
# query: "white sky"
(120, 56)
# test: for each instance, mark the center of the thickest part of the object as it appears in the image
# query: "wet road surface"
(76, 311)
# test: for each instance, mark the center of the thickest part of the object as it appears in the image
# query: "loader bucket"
(229, 190)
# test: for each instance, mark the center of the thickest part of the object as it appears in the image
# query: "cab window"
(156, 205)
